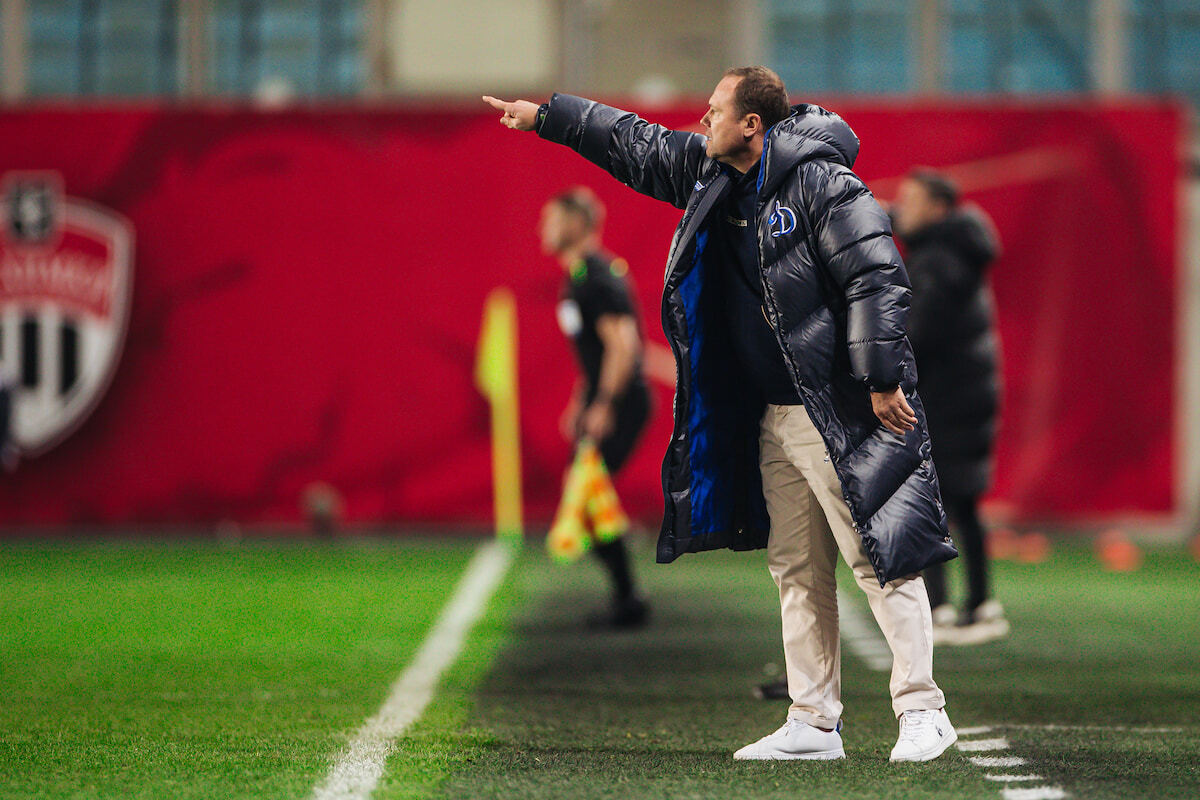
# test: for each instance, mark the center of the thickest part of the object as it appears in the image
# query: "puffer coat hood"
(811, 132)
(836, 296)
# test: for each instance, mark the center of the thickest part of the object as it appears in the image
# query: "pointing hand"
(520, 115)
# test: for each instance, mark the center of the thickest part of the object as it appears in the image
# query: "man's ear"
(754, 125)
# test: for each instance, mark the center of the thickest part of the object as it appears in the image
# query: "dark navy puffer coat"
(836, 295)
(952, 328)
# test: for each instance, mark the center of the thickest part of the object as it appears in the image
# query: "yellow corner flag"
(496, 379)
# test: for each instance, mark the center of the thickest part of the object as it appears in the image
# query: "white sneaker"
(944, 616)
(795, 740)
(945, 624)
(924, 735)
(985, 624)
(988, 624)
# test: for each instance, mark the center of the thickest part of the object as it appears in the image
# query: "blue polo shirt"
(733, 245)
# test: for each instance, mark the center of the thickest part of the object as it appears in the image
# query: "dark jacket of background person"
(836, 296)
(8, 449)
(952, 328)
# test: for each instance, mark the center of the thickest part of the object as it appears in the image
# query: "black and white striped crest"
(66, 276)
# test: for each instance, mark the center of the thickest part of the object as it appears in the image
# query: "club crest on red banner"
(66, 277)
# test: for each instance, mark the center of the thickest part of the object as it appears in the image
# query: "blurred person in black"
(952, 327)
(610, 404)
(8, 450)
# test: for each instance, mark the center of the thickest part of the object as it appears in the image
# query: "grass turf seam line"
(358, 768)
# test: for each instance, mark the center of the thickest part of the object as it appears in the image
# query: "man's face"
(914, 208)
(560, 229)
(726, 131)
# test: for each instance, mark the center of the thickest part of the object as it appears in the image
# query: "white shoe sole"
(984, 632)
(930, 755)
(827, 755)
(977, 633)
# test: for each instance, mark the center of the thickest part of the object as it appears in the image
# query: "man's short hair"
(760, 91)
(939, 186)
(582, 201)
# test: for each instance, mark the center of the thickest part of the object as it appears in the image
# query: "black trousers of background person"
(5, 413)
(632, 412)
(963, 511)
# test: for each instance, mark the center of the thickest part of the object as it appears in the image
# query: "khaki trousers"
(810, 523)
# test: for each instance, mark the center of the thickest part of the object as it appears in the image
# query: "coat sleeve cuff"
(879, 364)
(563, 119)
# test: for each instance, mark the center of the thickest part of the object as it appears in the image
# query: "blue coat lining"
(710, 500)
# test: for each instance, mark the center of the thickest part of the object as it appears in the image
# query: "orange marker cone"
(1001, 543)
(1116, 552)
(1033, 548)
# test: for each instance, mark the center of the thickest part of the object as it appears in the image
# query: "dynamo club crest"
(66, 277)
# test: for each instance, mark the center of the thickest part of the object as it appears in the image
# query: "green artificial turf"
(657, 713)
(201, 671)
(1094, 651)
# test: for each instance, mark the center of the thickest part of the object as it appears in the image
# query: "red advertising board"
(308, 287)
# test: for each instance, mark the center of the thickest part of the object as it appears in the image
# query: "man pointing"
(797, 425)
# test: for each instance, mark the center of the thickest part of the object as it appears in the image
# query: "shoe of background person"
(986, 623)
(945, 615)
(627, 614)
(945, 624)
(924, 735)
(796, 740)
(772, 690)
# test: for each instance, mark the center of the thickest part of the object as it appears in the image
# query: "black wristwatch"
(542, 111)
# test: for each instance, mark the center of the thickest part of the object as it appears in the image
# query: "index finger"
(499, 105)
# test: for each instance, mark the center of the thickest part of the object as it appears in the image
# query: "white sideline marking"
(359, 767)
(1115, 728)
(975, 731)
(865, 641)
(1034, 793)
(862, 637)
(997, 761)
(1000, 743)
(982, 745)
